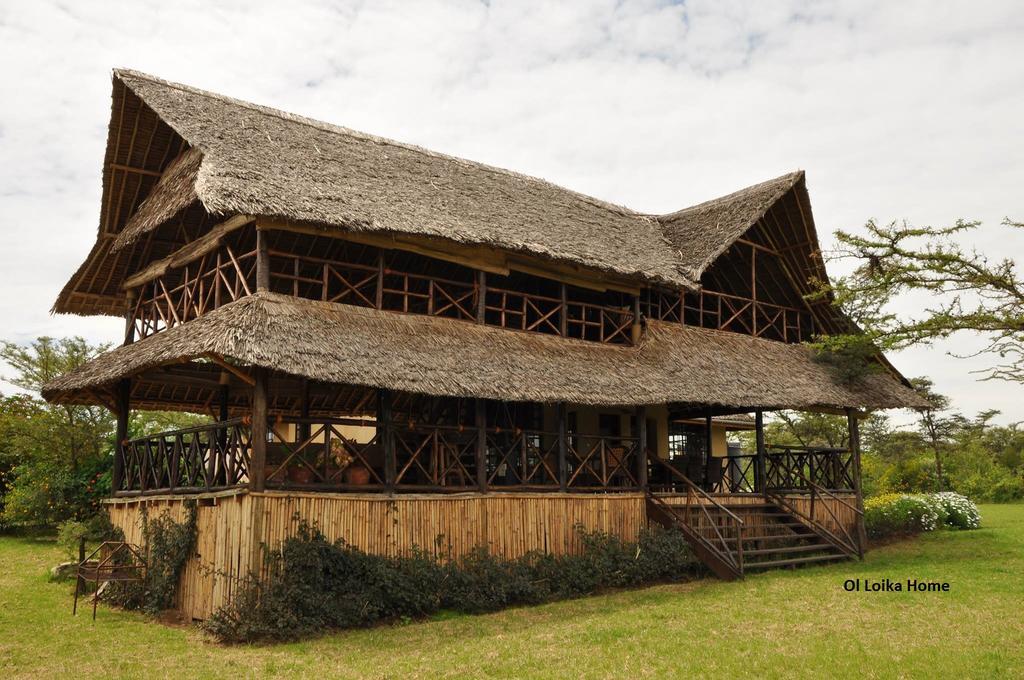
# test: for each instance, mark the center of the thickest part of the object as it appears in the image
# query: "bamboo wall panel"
(232, 528)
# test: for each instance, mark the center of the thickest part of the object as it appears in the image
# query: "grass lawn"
(780, 624)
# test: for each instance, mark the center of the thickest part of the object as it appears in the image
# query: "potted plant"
(299, 473)
(357, 474)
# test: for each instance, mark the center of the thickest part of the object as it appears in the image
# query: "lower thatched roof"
(343, 344)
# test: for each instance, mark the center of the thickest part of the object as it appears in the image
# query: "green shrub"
(314, 584)
(94, 530)
(168, 546)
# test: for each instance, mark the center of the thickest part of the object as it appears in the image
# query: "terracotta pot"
(300, 474)
(357, 474)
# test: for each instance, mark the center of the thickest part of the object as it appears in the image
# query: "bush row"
(315, 584)
(895, 514)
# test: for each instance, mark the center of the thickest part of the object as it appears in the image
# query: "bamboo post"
(481, 444)
(854, 433)
(258, 459)
(123, 402)
(641, 433)
(760, 469)
(563, 443)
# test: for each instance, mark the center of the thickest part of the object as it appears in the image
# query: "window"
(686, 440)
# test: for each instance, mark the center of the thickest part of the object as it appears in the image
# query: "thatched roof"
(703, 232)
(260, 161)
(443, 357)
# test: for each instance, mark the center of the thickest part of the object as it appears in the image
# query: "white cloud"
(897, 110)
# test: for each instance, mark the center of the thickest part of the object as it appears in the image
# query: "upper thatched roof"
(260, 161)
(703, 232)
(443, 357)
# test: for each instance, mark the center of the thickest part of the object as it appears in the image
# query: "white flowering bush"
(960, 511)
(895, 514)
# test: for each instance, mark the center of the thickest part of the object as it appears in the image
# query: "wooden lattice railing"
(203, 285)
(722, 311)
(598, 462)
(223, 275)
(197, 459)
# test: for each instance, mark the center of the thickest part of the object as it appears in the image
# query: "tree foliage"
(56, 459)
(969, 291)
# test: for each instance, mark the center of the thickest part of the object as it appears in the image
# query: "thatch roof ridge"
(446, 357)
(739, 209)
(341, 129)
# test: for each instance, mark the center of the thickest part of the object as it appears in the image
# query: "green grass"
(780, 624)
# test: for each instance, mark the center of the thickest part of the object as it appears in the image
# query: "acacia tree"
(935, 428)
(972, 292)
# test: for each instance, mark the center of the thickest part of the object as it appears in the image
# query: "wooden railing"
(222, 276)
(316, 453)
(795, 468)
(197, 459)
(843, 539)
(786, 468)
(435, 457)
(599, 462)
(522, 459)
(212, 280)
(715, 532)
(722, 311)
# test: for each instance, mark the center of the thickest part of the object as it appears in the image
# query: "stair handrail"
(850, 546)
(736, 562)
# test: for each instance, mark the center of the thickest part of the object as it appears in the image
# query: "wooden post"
(124, 390)
(385, 430)
(708, 453)
(262, 262)
(258, 459)
(379, 300)
(481, 445)
(635, 330)
(563, 318)
(641, 458)
(481, 297)
(304, 428)
(563, 444)
(760, 468)
(854, 432)
(222, 412)
(129, 317)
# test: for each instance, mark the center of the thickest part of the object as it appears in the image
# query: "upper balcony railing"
(381, 282)
(224, 275)
(722, 311)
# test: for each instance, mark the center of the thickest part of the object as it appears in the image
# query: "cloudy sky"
(896, 110)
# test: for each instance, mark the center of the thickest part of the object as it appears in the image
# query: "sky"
(896, 110)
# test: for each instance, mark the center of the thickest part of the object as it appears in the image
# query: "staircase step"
(814, 547)
(792, 562)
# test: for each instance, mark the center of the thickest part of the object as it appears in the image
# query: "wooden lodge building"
(413, 349)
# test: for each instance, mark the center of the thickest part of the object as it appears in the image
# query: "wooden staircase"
(732, 536)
